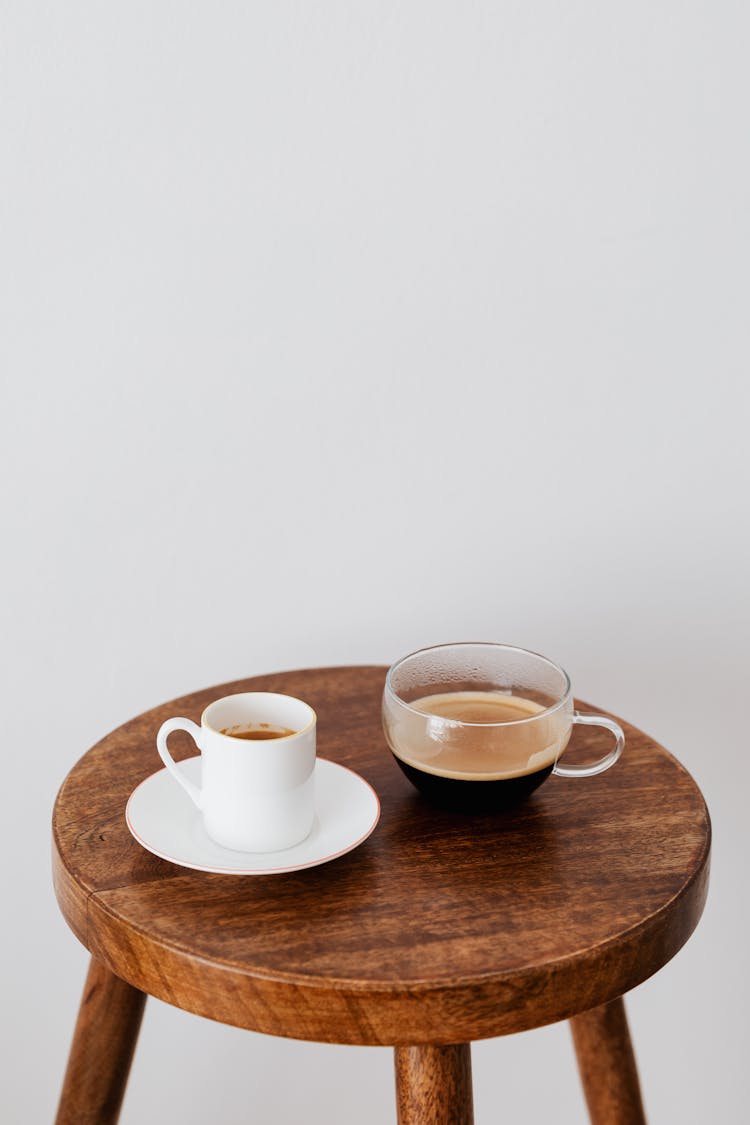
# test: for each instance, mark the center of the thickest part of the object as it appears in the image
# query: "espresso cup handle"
(193, 792)
(608, 759)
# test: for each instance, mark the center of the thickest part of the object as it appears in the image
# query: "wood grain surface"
(109, 1020)
(441, 928)
(606, 1063)
(433, 1085)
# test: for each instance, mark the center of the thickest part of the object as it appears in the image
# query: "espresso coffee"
(479, 754)
(261, 731)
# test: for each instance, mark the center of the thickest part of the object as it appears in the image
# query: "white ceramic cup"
(256, 795)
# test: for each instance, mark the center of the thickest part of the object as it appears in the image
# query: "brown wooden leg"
(109, 1019)
(607, 1065)
(433, 1085)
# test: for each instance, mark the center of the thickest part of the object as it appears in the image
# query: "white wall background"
(335, 329)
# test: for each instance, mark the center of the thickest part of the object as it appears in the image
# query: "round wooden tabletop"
(440, 928)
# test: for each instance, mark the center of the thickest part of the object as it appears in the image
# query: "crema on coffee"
(477, 749)
(258, 731)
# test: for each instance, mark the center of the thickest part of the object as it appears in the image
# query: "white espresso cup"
(257, 789)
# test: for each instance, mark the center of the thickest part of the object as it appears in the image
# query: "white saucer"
(165, 821)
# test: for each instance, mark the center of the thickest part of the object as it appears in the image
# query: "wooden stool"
(440, 929)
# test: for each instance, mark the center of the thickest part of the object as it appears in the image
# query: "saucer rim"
(217, 870)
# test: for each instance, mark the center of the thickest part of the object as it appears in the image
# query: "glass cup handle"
(608, 759)
(193, 792)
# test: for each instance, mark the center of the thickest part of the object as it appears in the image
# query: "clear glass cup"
(481, 726)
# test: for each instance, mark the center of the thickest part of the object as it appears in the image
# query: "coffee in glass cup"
(480, 726)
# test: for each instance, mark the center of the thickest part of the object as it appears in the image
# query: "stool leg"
(607, 1065)
(433, 1085)
(109, 1019)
